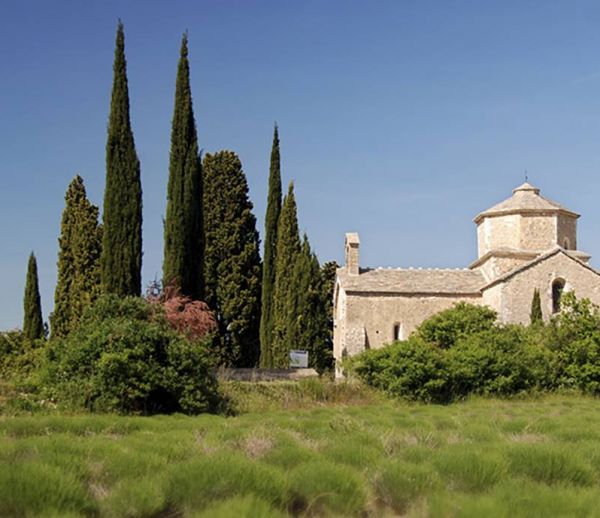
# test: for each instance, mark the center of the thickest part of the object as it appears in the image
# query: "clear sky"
(398, 119)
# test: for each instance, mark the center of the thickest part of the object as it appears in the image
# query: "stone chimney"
(351, 253)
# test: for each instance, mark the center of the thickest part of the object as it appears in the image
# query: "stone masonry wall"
(567, 229)
(517, 292)
(378, 314)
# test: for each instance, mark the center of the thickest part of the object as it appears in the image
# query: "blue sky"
(398, 119)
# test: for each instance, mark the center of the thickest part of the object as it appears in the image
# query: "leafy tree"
(80, 244)
(232, 261)
(121, 260)
(184, 239)
(446, 327)
(536, 308)
(269, 254)
(33, 324)
(288, 248)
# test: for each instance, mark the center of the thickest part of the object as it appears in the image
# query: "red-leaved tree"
(191, 317)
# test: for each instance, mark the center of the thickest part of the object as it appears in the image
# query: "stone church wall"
(517, 292)
(377, 314)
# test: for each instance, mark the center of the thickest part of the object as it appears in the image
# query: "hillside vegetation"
(482, 457)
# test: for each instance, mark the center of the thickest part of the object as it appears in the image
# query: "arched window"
(557, 288)
(397, 334)
(566, 243)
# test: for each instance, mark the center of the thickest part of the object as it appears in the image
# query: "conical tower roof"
(526, 199)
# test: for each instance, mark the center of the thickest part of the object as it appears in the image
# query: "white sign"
(298, 359)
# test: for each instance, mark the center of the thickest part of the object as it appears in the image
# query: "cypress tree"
(232, 260)
(184, 240)
(121, 260)
(307, 324)
(288, 248)
(269, 254)
(536, 308)
(33, 325)
(80, 243)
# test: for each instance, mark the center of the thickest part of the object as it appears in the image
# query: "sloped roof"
(526, 198)
(412, 281)
(538, 259)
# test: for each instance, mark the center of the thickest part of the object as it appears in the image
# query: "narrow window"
(566, 244)
(397, 330)
(557, 288)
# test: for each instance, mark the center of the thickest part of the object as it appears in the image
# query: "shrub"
(412, 369)
(401, 483)
(445, 328)
(125, 357)
(500, 361)
(321, 486)
(195, 484)
(574, 337)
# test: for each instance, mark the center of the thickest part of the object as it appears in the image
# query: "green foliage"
(500, 361)
(481, 457)
(400, 483)
(33, 324)
(307, 326)
(328, 274)
(489, 359)
(269, 254)
(121, 259)
(288, 248)
(321, 486)
(202, 480)
(446, 327)
(232, 260)
(124, 357)
(80, 244)
(413, 369)
(184, 233)
(248, 506)
(536, 316)
(574, 337)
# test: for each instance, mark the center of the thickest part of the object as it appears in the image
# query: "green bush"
(446, 327)
(574, 337)
(125, 357)
(461, 351)
(412, 369)
(500, 361)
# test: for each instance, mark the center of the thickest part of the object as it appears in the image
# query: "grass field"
(307, 454)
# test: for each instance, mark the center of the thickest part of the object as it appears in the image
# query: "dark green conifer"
(184, 239)
(269, 253)
(232, 260)
(288, 248)
(121, 261)
(536, 308)
(33, 324)
(80, 243)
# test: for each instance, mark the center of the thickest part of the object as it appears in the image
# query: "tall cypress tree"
(232, 260)
(33, 325)
(536, 316)
(288, 248)
(80, 243)
(269, 254)
(121, 261)
(184, 239)
(308, 319)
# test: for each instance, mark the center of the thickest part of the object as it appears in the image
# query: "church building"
(525, 242)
